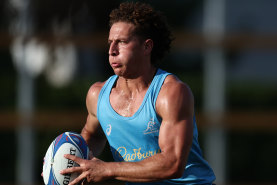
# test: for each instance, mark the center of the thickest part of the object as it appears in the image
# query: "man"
(145, 113)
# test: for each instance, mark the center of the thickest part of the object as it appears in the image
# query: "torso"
(118, 128)
(132, 132)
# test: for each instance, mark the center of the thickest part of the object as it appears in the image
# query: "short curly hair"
(149, 24)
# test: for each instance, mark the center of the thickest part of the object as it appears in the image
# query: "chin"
(123, 73)
(118, 72)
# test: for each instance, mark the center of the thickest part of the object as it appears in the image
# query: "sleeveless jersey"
(136, 138)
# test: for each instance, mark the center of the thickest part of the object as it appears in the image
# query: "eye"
(109, 42)
(122, 42)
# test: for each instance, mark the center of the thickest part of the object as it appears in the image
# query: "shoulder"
(95, 89)
(92, 97)
(174, 94)
(174, 86)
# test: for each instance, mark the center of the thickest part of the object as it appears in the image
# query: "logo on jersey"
(151, 127)
(123, 154)
(109, 129)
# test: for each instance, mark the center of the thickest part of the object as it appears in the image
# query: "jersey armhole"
(160, 84)
(101, 95)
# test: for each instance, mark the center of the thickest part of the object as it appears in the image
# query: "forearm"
(155, 168)
(125, 179)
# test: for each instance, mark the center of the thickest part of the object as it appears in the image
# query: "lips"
(115, 64)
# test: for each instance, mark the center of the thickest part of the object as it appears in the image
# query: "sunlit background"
(51, 51)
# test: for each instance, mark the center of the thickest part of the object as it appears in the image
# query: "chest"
(126, 104)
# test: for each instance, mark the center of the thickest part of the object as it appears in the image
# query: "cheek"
(125, 54)
(130, 51)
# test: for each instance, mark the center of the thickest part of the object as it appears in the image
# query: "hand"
(92, 170)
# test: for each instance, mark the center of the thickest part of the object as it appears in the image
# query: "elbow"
(175, 171)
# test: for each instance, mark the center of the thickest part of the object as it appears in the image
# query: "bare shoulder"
(92, 97)
(173, 85)
(95, 89)
(174, 94)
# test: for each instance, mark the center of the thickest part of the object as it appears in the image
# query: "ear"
(148, 46)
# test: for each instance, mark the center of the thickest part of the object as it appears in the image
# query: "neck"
(138, 84)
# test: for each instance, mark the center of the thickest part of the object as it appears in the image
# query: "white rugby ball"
(54, 161)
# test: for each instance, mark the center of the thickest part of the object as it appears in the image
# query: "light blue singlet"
(136, 138)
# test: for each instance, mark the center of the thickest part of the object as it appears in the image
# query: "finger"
(72, 170)
(73, 158)
(80, 178)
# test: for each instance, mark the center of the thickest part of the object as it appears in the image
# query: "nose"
(113, 50)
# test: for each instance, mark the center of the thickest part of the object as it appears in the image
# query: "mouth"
(115, 64)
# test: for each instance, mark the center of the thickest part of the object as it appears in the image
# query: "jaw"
(128, 74)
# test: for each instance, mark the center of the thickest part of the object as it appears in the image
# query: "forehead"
(121, 29)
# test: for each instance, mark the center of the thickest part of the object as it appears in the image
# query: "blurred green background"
(64, 46)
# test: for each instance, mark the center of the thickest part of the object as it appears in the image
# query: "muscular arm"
(175, 106)
(92, 131)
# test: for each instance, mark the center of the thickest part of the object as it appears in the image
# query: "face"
(126, 52)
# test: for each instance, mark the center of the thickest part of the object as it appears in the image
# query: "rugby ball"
(54, 160)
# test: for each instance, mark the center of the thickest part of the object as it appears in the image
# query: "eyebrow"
(120, 38)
